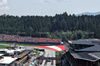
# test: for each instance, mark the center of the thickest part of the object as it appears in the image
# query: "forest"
(64, 26)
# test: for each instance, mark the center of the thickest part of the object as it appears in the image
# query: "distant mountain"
(89, 13)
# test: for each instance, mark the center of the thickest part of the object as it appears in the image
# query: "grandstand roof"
(87, 56)
(96, 47)
(85, 41)
(89, 53)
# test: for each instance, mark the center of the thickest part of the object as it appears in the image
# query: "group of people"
(18, 38)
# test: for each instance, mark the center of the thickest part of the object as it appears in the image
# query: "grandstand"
(28, 40)
(83, 52)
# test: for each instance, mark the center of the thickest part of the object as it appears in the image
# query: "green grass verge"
(34, 51)
(1, 47)
(57, 61)
(37, 53)
(21, 44)
(57, 53)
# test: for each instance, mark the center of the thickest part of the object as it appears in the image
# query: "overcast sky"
(47, 7)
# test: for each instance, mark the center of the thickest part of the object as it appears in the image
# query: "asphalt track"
(48, 53)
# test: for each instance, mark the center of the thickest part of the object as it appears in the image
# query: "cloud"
(51, 1)
(3, 5)
(4, 8)
(3, 2)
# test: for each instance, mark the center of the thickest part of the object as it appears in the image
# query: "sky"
(47, 7)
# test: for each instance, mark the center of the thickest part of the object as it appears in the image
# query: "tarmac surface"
(49, 62)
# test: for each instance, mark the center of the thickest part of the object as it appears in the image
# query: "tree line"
(59, 26)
